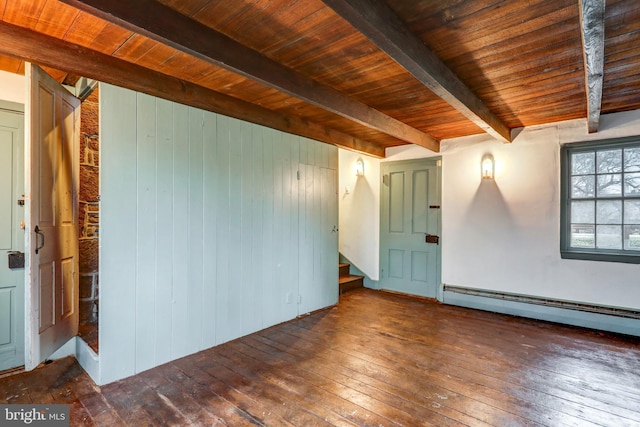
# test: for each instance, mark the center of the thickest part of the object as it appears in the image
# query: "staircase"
(346, 281)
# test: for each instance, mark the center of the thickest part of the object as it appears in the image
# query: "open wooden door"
(51, 188)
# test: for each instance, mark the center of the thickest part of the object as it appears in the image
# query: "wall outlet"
(287, 298)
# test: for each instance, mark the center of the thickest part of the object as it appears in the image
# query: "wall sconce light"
(488, 166)
(359, 167)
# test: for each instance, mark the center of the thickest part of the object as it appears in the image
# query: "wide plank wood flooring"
(376, 359)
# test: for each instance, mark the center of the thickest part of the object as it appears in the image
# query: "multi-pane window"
(601, 196)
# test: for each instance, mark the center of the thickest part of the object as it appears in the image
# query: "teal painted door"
(318, 220)
(410, 211)
(11, 239)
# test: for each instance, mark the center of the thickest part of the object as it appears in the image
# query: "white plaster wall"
(359, 204)
(12, 87)
(505, 235)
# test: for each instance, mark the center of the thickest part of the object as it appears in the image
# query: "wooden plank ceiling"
(334, 71)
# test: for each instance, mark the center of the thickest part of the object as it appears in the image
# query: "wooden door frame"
(435, 161)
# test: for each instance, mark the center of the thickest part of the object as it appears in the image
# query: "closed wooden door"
(410, 227)
(318, 255)
(329, 253)
(11, 238)
(52, 188)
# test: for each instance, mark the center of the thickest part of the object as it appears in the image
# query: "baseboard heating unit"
(608, 318)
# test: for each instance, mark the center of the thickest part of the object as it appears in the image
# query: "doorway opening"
(89, 216)
(86, 158)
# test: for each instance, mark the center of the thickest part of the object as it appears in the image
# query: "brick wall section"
(89, 208)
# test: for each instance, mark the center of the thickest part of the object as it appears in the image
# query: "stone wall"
(89, 208)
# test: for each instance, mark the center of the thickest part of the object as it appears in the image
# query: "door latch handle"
(41, 234)
(430, 238)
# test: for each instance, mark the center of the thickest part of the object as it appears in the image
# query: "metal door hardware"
(430, 238)
(41, 234)
(16, 259)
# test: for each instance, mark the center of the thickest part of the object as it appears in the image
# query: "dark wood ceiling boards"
(509, 53)
(523, 59)
(621, 88)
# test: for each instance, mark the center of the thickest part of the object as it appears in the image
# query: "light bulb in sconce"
(487, 166)
(359, 167)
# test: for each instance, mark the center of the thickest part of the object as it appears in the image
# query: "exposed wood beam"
(592, 25)
(167, 26)
(383, 26)
(30, 46)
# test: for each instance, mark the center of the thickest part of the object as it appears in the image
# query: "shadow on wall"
(362, 202)
(359, 221)
(488, 219)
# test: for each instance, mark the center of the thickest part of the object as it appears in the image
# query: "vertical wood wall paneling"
(318, 244)
(316, 229)
(146, 232)
(224, 330)
(305, 237)
(234, 284)
(180, 231)
(195, 280)
(164, 231)
(269, 305)
(274, 304)
(251, 319)
(329, 254)
(292, 263)
(260, 191)
(118, 204)
(209, 230)
(212, 234)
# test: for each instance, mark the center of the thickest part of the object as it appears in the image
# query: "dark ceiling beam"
(21, 43)
(380, 24)
(167, 26)
(592, 26)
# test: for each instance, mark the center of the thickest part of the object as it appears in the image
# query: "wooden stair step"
(343, 269)
(350, 282)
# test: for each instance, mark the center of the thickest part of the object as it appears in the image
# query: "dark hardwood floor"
(377, 359)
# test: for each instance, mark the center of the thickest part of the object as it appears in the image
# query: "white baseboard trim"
(604, 322)
(89, 360)
(68, 349)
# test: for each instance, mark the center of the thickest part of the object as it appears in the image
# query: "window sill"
(600, 256)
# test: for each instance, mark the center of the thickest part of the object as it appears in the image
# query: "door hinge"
(298, 175)
(299, 299)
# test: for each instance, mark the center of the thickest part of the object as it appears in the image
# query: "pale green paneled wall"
(211, 228)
